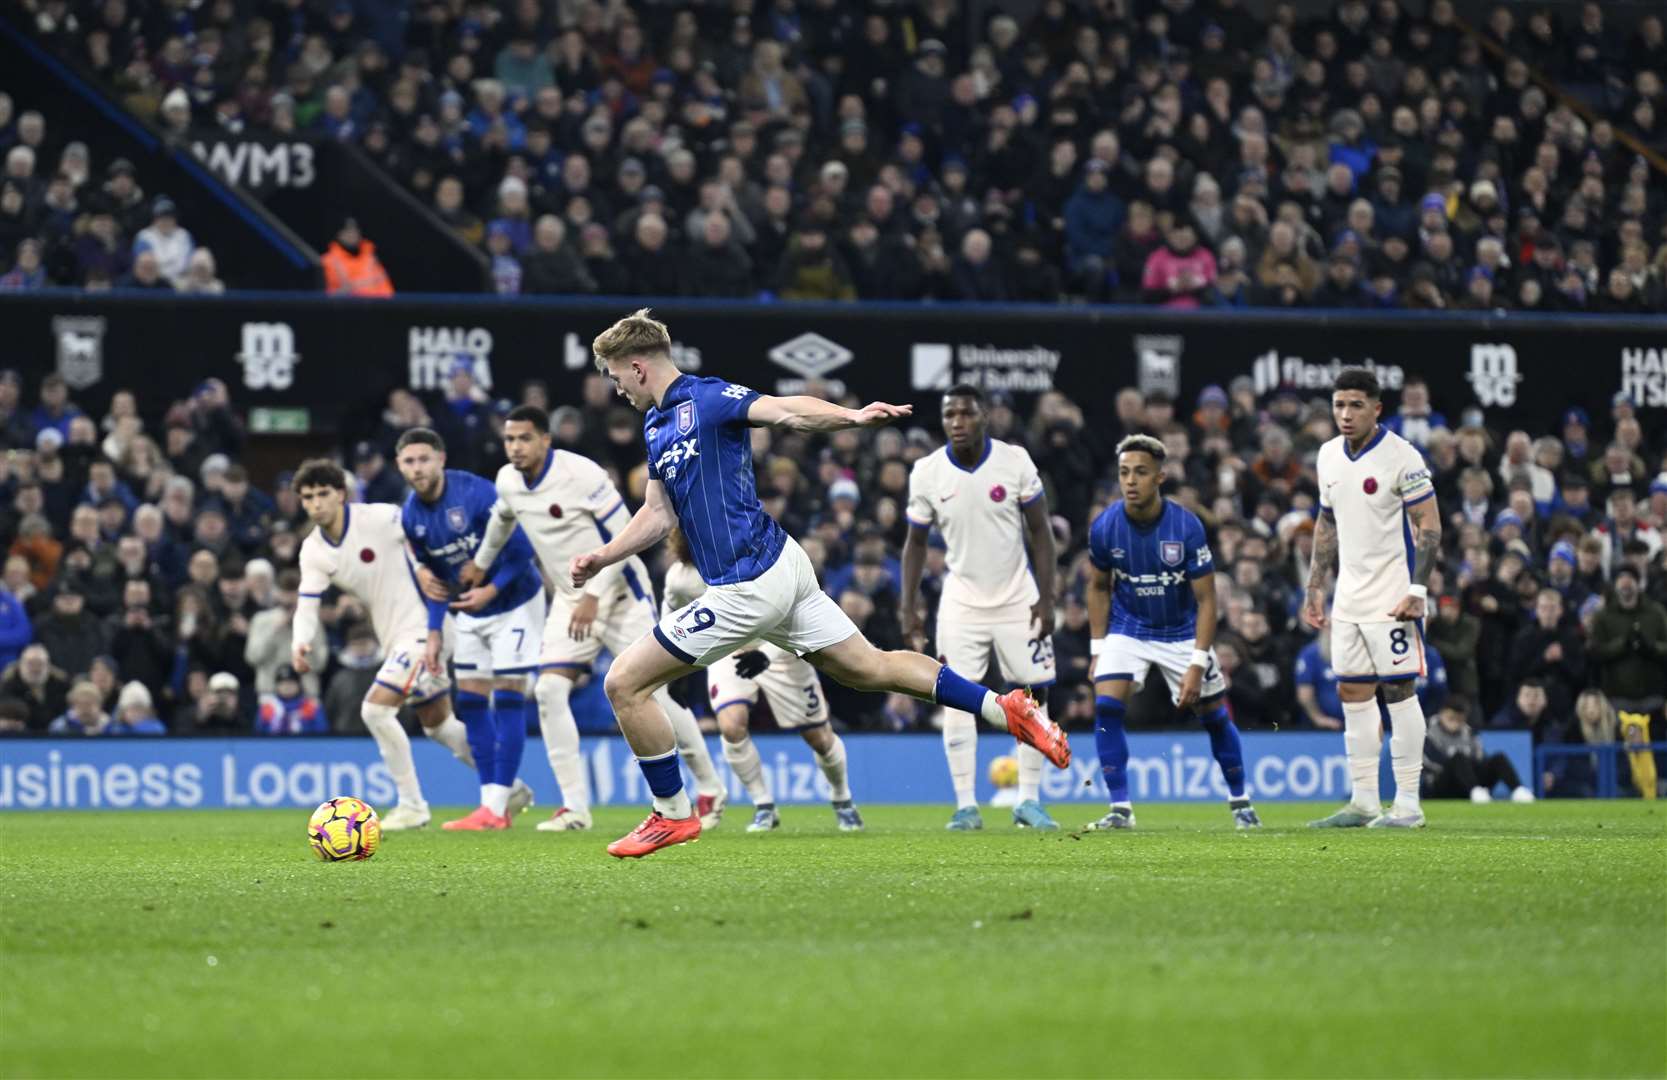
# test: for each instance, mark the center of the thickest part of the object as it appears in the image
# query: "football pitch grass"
(1502, 941)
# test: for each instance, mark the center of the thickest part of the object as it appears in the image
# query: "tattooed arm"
(1426, 546)
(1321, 569)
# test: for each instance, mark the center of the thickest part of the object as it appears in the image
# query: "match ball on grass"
(344, 829)
(1004, 771)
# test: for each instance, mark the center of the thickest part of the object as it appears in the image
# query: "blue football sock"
(475, 710)
(1229, 752)
(1113, 744)
(664, 776)
(509, 718)
(958, 692)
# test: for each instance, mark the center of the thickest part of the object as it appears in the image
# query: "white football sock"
(452, 735)
(833, 767)
(1363, 739)
(1030, 772)
(561, 741)
(991, 711)
(691, 744)
(1406, 750)
(675, 807)
(495, 797)
(382, 721)
(960, 746)
(749, 769)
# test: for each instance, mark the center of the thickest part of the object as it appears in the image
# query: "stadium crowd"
(1171, 152)
(64, 224)
(149, 584)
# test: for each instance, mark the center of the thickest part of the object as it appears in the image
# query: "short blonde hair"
(638, 333)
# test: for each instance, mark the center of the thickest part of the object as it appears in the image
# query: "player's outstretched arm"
(803, 413)
(647, 527)
(1320, 570)
(909, 615)
(499, 528)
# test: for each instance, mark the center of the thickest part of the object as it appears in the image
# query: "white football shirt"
(570, 508)
(1368, 495)
(371, 564)
(980, 513)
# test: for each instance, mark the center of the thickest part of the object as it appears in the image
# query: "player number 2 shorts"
(967, 641)
(784, 605)
(789, 684)
(1377, 651)
(507, 643)
(1124, 657)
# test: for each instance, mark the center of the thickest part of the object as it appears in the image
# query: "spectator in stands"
(351, 267)
(72, 635)
(16, 630)
(1457, 766)
(1629, 645)
(552, 265)
(218, 711)
(358, 661)
(26, 273)
(269, 641)
(39, 687)
(201, 275)
(85, 714)
(169, 241)
(135, 713)
(288, 709)
(1316, 685)
(248, 510)
(377, 480)
(1550, 649)
(140, 640)
(145, 274)
(1456, 635)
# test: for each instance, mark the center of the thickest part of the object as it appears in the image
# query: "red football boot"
(482, 820)
(655, 832)
(1027, 724)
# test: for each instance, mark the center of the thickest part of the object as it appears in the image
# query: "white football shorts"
(1377, 651)
(507, 643)
(968, 640)
(790, 685)
(1124, 657)
(784, 605)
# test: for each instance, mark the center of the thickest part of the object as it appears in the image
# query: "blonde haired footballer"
(1379, 530)
(564, 503)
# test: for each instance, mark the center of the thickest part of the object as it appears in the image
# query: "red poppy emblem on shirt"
(1371, 485)
(998, 493)
(714, 693)
(555, 510)
(367, 555)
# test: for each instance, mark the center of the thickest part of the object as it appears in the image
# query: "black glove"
(751, 664)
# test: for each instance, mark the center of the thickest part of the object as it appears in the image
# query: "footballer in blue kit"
(1153, 587)
(499, 622)
(760, 582)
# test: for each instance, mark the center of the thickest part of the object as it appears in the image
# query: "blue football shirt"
(447, 532)
(700, 448)
(1152, 568)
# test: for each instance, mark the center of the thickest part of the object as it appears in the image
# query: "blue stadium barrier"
(250, 772)
(1606, 769)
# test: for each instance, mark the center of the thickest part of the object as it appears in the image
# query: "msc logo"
(669, 462)
(811, 355)
(268, 356)
(1493, 375)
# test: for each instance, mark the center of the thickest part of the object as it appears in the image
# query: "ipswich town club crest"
(457, 520)
(1170, 552)
(685, 417)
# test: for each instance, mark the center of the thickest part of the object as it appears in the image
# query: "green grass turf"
(1502, 941)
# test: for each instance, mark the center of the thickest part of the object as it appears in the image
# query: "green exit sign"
(266, 421)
